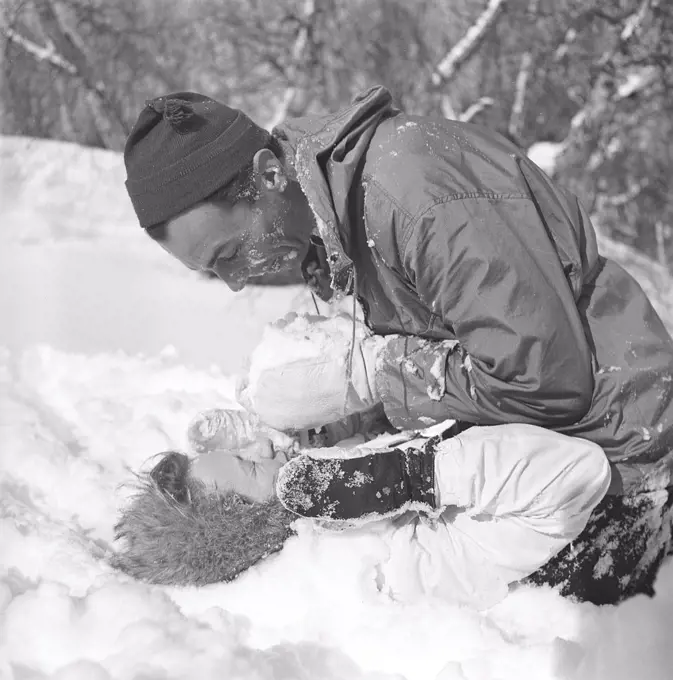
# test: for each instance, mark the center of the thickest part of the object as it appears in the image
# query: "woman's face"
(250, 471)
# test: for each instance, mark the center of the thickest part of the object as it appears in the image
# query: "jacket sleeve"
(488, 271)
(522, 493)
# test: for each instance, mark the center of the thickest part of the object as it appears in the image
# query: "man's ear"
(268, 171)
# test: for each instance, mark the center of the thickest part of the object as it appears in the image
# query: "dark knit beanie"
(184, 147)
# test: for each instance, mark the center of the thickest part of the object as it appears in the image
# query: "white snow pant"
(514, 496)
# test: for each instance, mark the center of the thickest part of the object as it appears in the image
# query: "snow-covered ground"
(108, 350)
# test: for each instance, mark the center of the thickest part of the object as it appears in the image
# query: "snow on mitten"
(368, 487)
(310, 370)
(221, 429)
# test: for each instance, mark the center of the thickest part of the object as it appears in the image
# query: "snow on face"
(75, 426)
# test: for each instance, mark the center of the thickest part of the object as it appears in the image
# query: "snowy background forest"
(108, 347)
(588, 82)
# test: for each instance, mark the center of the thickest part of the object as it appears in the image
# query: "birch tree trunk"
(447, 69)
(517, 113)
(461, 52)
(294, 99)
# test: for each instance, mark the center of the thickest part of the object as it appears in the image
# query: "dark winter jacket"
(490, 276)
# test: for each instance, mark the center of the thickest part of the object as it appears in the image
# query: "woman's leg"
(619, 552)
(525, 493)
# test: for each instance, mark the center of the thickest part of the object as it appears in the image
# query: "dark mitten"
(372, 486)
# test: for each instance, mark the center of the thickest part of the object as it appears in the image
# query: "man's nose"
(235, 282)
(236, 285)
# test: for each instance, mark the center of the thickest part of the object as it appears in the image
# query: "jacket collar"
(328, 154)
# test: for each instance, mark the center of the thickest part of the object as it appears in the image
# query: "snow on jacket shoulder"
(488, 276)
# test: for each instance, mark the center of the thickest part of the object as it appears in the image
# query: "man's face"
(244, 240)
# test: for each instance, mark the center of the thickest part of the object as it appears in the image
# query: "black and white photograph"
(336, 340)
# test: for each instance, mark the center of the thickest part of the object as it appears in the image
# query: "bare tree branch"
(105, 109)
(47, 53)
(447, 108)
(633, 23)
(618, 200)
(518, 106)
(562, 49)
(517, 113)
(296, 90)
(65, 116)
(476, 108)
(447, 68)
(661, 233)
(583, 138)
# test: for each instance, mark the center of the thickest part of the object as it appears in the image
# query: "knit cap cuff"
(171, 189)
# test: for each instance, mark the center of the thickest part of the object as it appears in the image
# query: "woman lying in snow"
(466, 513)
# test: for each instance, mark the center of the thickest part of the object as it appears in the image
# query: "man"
(479, 278)
(483, 273)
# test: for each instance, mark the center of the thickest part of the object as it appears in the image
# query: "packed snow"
(545, 155)
(108, 351)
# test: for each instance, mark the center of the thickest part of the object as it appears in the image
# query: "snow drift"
(109, 349)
